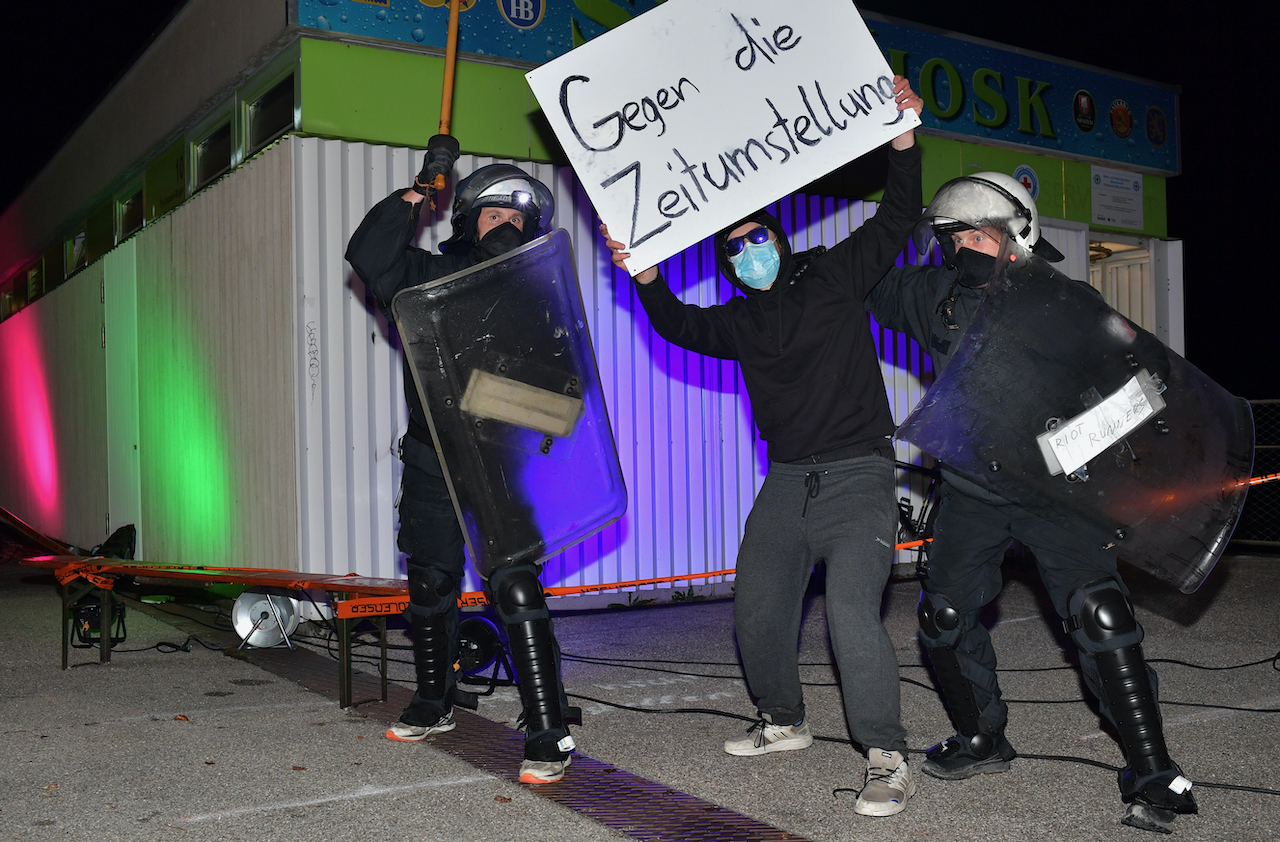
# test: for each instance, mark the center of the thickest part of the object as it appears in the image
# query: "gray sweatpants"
(843, 512)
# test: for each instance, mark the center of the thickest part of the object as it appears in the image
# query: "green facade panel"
(392, 97)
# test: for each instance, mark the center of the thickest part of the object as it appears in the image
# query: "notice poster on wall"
(692, 115)
(1116, 198)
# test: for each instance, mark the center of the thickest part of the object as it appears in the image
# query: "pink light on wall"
(30, 445)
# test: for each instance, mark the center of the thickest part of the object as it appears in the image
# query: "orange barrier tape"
(391, 598)
(1260, 480)
(473, 599)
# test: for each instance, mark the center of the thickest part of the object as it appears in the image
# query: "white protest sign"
(698, 112)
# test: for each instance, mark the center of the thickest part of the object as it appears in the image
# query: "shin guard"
(523, 610)
(1102, 624)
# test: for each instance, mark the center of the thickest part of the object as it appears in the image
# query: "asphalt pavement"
(167, 742)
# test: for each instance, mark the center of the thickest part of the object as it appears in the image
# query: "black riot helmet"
(498, 186)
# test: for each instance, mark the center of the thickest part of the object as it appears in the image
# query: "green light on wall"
(186, 469)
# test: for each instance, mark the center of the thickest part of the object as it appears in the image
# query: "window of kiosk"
(130, 215)
(76, 253)
(213, 155)
(271, 115)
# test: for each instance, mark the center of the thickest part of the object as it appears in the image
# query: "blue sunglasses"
(734, 245)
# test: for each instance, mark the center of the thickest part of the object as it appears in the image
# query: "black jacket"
(915, 300)
(912, 300)
(382, 258)
(804, 345)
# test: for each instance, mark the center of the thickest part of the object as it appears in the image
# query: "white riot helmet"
(983, 200)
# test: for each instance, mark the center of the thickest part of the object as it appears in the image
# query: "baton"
(446, 95)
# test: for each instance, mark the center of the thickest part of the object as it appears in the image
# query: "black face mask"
(975, 267)
(499, 240)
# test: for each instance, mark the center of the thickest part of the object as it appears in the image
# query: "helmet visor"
(509, 193)
(970, 203)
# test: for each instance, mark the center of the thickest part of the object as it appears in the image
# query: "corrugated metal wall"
(216, 432)
(1127, 285)
(244, 292)
(238, 313)
(682, 421)
(53, 473)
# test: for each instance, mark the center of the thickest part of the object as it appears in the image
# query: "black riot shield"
(1061, 405)
(506, 372)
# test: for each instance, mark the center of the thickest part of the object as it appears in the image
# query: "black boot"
(520, 603)
(1101, 621)
(980, 747)
(430, 711)
(1152, 784)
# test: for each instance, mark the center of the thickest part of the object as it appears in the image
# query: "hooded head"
(499, 186)
(750, 257)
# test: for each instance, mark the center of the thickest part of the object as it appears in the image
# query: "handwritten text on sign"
(694, 114)
(1070, 445)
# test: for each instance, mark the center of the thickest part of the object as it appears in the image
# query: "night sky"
(59, 64)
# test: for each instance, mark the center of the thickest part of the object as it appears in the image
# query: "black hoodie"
(804, 344)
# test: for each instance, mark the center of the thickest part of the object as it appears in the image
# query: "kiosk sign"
(696, 113)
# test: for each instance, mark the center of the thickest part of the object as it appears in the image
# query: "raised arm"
(699, 329)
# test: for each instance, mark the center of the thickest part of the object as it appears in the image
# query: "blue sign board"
(973, 90)
(979, 90)
(534, 31)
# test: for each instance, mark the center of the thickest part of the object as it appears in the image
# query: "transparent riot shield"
(505, 369)
(1059, 404)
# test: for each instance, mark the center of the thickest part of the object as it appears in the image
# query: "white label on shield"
(1073, 443)
(550, 413)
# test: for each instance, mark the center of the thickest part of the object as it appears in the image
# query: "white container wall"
(682, 422)
(253, 392)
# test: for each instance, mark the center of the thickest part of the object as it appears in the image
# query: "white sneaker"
(404, 733)
(543, 771)
(764, 737)
(888, 784)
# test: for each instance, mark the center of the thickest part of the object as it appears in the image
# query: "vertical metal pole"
(344, 658)
(106, 607)
(66, 623)
(382, 633)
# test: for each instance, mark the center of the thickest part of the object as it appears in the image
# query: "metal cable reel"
(480, 645)
(264, 620)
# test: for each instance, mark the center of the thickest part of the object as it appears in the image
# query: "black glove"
(442, 154)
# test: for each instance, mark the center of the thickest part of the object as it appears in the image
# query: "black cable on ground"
(1060, 758)
(634, 664)
(167, 647)
(331, 633)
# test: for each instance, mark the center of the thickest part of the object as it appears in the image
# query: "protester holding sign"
(800, 335)
(971, 217)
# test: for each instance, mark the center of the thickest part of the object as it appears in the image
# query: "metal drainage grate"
(624, 802)
(617, 799)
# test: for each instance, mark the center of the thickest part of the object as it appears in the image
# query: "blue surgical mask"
(757, 264)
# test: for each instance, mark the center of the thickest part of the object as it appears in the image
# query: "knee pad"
(1100, 618)
(517, 594)
(941, 624)
(431, 591)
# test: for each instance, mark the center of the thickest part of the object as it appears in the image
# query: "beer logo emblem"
(1121, 119)
(1084, 111)
(1157, 127)
(523, 14)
